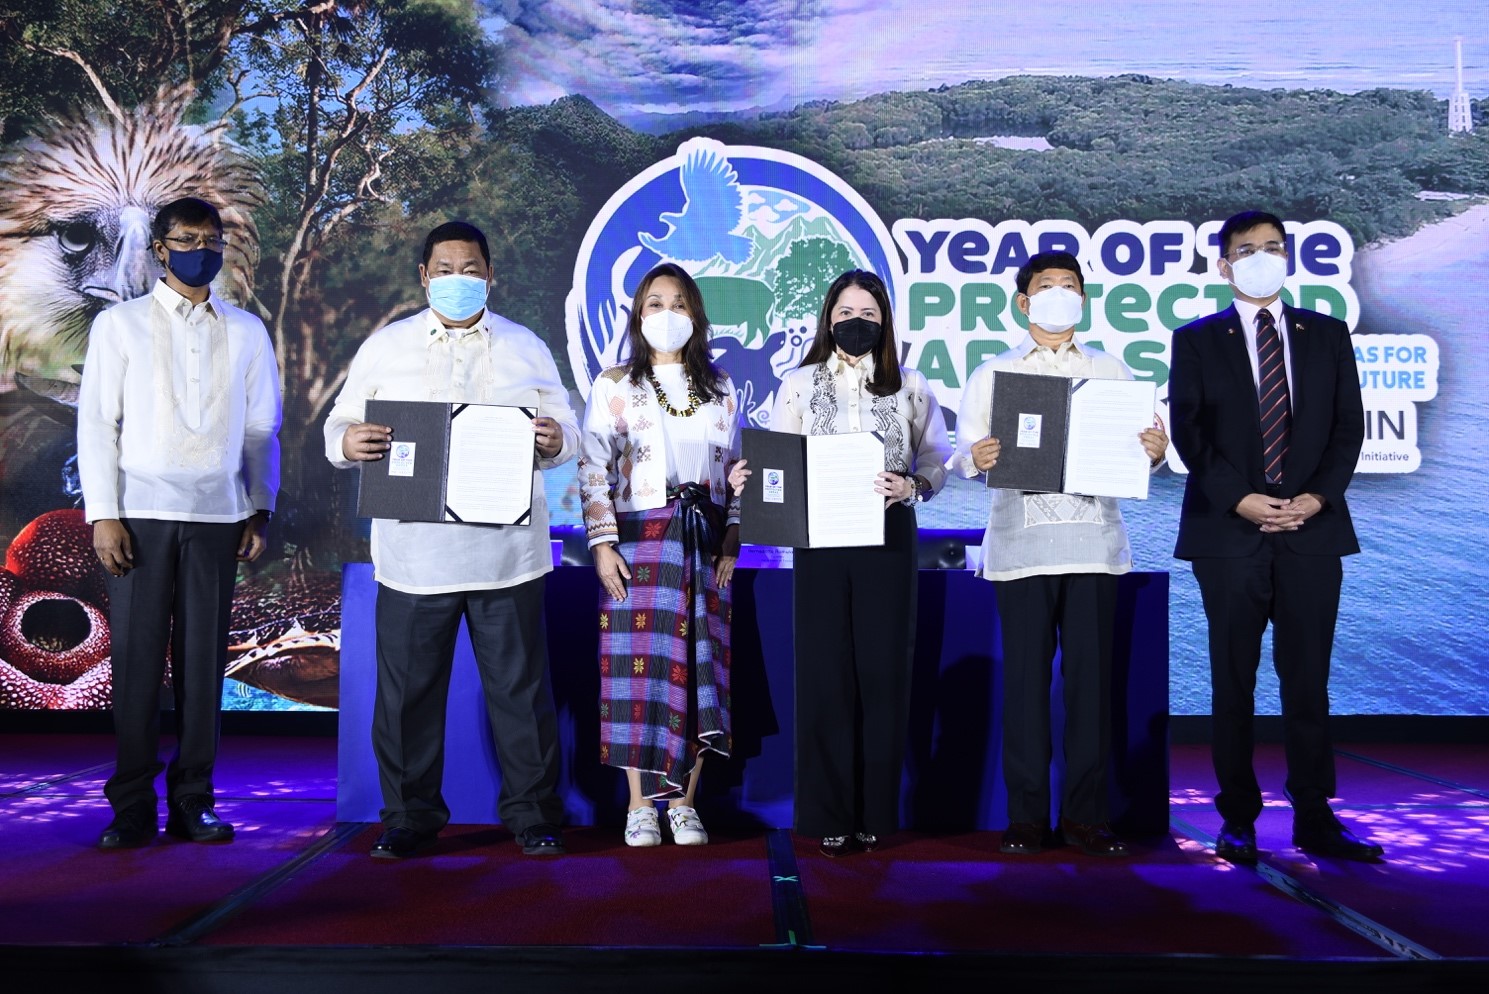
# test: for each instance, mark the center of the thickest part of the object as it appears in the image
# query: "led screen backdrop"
(766, 146)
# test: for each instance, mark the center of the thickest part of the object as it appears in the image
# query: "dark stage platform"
(295, 903)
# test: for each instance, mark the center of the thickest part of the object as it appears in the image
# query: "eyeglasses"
(186, 243)
(1271, 248)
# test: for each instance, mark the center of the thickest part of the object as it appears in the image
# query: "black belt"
(702, 520)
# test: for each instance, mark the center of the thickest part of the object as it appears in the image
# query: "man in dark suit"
(1265, 406)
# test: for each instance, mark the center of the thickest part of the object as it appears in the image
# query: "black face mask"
(857, 336)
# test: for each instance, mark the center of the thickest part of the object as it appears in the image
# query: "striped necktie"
(1273, 401)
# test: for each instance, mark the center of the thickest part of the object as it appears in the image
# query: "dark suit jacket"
(1217, 432)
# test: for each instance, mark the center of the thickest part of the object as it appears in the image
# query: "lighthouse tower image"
(1460, 117)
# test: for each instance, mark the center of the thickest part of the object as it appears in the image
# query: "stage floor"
(295, 881)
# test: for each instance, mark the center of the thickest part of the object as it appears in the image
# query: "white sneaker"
(687, 828)
(642, 827)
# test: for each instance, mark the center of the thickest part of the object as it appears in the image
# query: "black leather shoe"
(1025, 838)
(1323, 835)
(836, 845)
(1093, 840)
(130, 829)
(193, 818)
(400, 843)
(1236, 842)
(865, 841)
(541, 840)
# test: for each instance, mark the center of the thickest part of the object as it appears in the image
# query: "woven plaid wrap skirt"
(664, 650)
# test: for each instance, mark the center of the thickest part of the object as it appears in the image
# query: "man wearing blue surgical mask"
(1268, 418)
(1054, 559)
(431, 575)
(178, 454)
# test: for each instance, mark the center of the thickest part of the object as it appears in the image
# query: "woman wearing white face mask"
(661, 432)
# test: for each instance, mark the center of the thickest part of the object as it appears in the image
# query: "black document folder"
(1030, 417)
(1073, 435)
(780, 505)
(411, 482)
(779, 461)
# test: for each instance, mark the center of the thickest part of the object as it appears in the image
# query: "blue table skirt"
(953, 773)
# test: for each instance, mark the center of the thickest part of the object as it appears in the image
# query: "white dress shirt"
(493, 362)
(1247, 312)
(833, 398)
(1031, 534)
(632, 450)
(178, 413)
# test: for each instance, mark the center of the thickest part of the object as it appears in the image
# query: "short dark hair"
(1239, 224)
(457, 231)
(886, 379)
(187, 210)
(703, 375)
(1040, 261)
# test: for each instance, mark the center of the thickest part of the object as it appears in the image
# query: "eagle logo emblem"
(764, 232)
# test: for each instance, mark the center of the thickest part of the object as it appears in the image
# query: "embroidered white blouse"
(1036, 534)
(494, 362)
(631, 451)
(178, 413)
(833, 398)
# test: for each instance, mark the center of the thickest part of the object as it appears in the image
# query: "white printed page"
(490, 477)
(1104, 456)
(842, 507)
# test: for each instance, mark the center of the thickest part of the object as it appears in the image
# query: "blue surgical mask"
(457, 297)
(195, 268)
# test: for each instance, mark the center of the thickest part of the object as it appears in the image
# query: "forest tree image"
(326, 116)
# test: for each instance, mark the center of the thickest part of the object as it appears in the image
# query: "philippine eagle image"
(76, 200)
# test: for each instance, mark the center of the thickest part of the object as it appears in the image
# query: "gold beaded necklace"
(694, 401)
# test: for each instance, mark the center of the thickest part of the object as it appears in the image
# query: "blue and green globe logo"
(764, 232)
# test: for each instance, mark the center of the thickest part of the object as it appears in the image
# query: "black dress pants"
(1078, 610)
(179, 593)
(854, 641)
(415, 651)
(1299, 595)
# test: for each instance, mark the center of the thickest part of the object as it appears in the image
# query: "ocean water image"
(906, 45)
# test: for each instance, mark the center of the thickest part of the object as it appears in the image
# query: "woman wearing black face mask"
(855, 607)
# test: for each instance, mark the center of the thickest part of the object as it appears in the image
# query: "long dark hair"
(703, 375)
(886, 378)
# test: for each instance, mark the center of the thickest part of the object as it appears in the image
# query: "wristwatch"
(917, 492)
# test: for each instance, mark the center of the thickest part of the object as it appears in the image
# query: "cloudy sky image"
(639, 58)
(659, 56)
